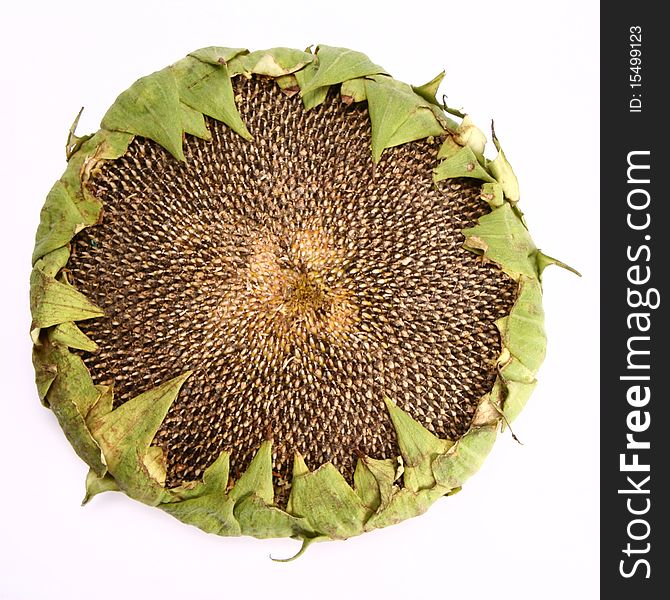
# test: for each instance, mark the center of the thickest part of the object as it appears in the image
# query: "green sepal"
(428, 91)
(68, 334)
(104, 145)
(205, 504)
(326, 501)
(404, 504)
(257, 479)
(513, 386)
(299, 469)
(463, 163)
(503, 173)
(193, 122)
(208, 89)
(316, 96)
(255, 517)
(273, 62)
(245, 510)
(543, 261)
(125, 435)
(504, 239)
(217, 55)
(418, 448)
(60, 220)
(52, 263)
(102, 406)
(336, 65)
(397, 115)
(53, 302)
(448, 148)
(374, 481)
(455, 467)
(522, 331)
(288, 84)
(214, 481)
(211, 513)
(155, 463)
(45, 372)
(353, 90)
(74, 142)
(69, 395)
(96, 484)
(492, 194)
(150, 108)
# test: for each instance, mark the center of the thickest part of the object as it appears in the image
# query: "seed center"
(298, 287)
(304, 294)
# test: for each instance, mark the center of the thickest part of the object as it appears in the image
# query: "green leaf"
(208, 89)
(242, 512)
(96, 484)
(373, 481)
(217, 55)
(104, 145)
(150, 108)
(214, 481)
(206, 504)
(522, 332)
(317, 95)
(336, 65)
(70, 396)
(193, 122)
(428, 91)
(156, 464)
(404, 505)
(353, 89)
(126, 433)
(514, 386)
(543, 261)
(463, 163)
(258, 519)
(504, 240)
(503, 173)
(418, 448)
(274, 62)
(466, 456)
(74, 141)
(257, 479)
(52, 302)
(215, 477)
(60, 220)
(288, 84)
(52, 263)
(492, 194)
(397, 115)
(327, 502)
(211, 513)
(68, 334)
(102, 406)
(45, 372)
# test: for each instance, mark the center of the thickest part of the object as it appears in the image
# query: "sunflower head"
(280, 293)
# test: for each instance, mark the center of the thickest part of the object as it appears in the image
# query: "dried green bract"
(280, 293)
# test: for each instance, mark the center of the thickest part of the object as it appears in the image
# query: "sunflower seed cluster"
(299, 281)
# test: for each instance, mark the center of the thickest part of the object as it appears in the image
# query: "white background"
(526, 526)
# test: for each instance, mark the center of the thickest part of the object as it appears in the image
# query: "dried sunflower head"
(280, 293)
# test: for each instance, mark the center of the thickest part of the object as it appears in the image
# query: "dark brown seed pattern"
(298, 281)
